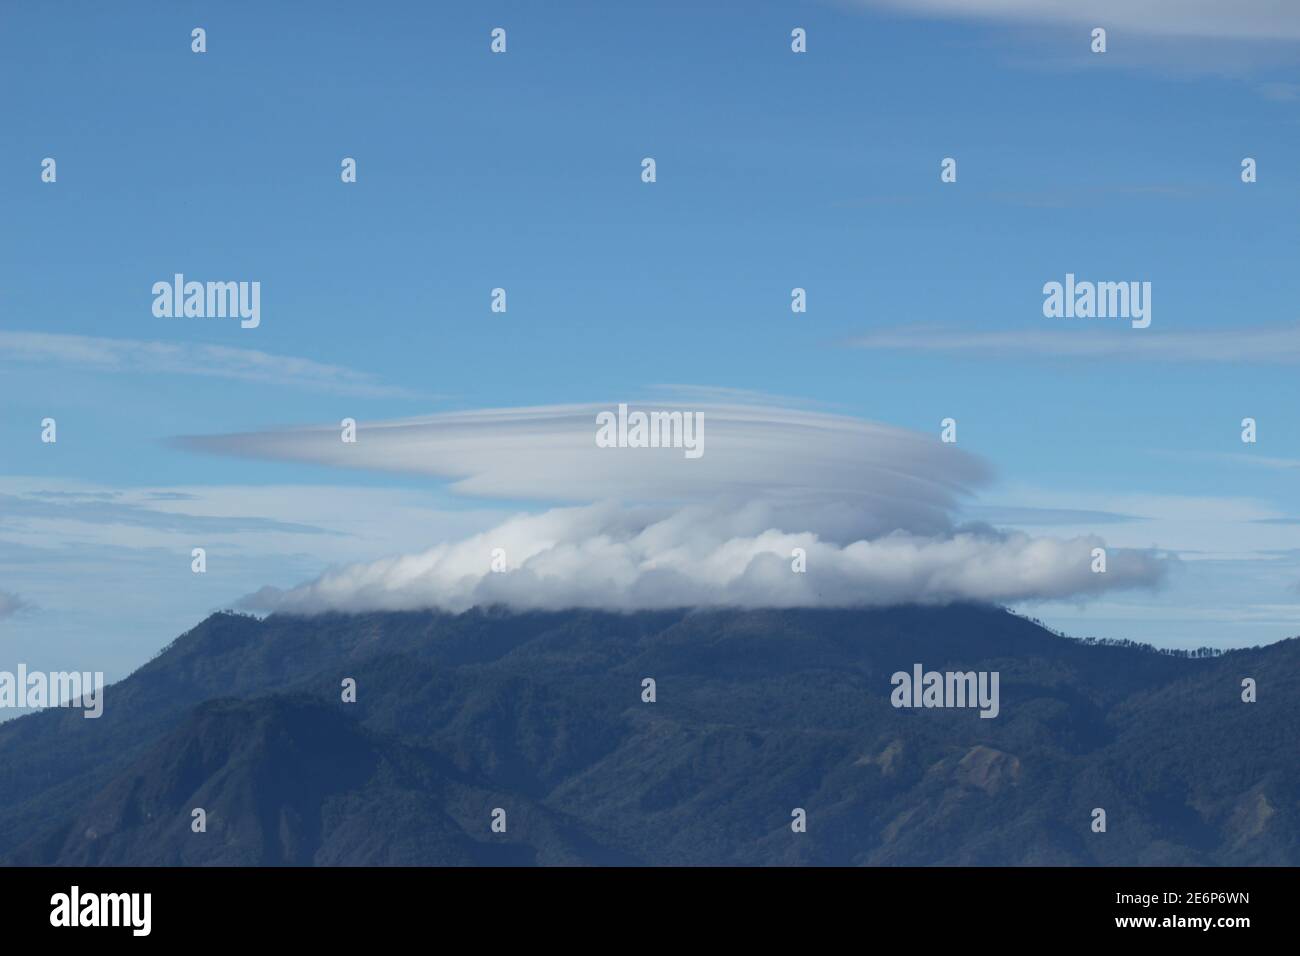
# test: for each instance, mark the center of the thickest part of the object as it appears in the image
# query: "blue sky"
(522, 171)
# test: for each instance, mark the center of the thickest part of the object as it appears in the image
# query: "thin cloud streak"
(1238, 19)
(1279, 345)
(138, 356)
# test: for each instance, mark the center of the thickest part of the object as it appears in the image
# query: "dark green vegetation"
(758, 712)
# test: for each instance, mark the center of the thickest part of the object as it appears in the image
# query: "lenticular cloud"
(787, 508)
(841, 477)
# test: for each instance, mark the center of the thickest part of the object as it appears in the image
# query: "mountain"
(756, 713)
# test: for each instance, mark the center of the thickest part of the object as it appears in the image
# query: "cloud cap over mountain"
(609, 557)
(785, 509)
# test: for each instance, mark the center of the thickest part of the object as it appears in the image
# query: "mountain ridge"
(757, 713)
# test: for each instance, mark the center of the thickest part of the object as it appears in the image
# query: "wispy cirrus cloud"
(1268, 461)
(185, 358)
(1238, 19)
(108, 509)
(1265, 345)
(1280, 92)
(1243, 40)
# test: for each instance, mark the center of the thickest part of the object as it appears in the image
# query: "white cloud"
(611, 557)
